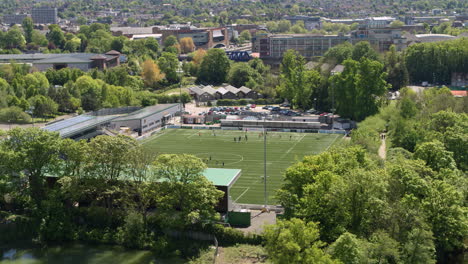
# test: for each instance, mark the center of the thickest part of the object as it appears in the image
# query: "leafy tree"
(170, 41)
(28, 28)
(43, 105)
(39, 39)
(363, 50)
(14, 38)
(214, 67)
(447, 216)
(241, 73)
(297, 84)
(56, 36)
(384, 249)
(118, 43)
(408, 107)
(284, 26)
(435, 155)
(186, 189)
(90, 91)
(419, 249)
(397, 24)
(151, 73)
(30, 151)
(132, 233)
(14, 114)
(245, 35)
(187, 45)
(110, 156)
(347, 249)
(395, 66)
(295, 241)
(357, 88)
(198, 56)
(169, 64)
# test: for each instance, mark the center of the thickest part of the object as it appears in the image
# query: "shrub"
(133, 233)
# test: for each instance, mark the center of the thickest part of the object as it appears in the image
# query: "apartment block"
(44, 15)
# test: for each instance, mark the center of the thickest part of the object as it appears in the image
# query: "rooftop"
(53, 57)
(147, 111)
(75, 125)
(222, 177)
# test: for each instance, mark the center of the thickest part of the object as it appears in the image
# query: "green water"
(77, 253)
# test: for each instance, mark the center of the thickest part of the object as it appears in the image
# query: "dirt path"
(383, 148)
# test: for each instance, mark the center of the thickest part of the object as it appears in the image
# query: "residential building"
(14, 19)
(44, 15)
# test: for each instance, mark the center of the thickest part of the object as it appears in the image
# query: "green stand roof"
(222, 177)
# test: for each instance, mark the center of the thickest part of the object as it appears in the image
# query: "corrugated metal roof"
(147, 111)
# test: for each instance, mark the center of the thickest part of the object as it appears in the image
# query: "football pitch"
(283, 149)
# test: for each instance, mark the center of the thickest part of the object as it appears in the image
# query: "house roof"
(244, 89)
(232, 89)
(338, 69)
(113, 52)
(196, 90)
(457, 93)
(222, 90)
(209, 89)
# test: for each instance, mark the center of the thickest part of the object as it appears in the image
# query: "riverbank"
(79, 253)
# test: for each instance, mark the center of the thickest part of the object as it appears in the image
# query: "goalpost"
(248, 128)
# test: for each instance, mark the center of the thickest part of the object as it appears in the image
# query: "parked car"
(275, 108)
(267, 107)
(285, 105)
(253, 105)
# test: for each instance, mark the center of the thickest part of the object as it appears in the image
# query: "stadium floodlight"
(265, 162)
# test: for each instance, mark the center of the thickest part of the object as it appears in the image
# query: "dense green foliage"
(435, 62)
(409, 208)
(105, 191)
(214, 67)
(358, 89)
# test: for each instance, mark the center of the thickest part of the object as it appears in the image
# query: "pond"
(78, 253)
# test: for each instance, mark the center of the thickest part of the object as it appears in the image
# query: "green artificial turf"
(283, 149)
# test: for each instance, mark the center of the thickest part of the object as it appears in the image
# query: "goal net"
(248, 128)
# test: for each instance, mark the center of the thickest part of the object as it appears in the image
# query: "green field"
(283, 149)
